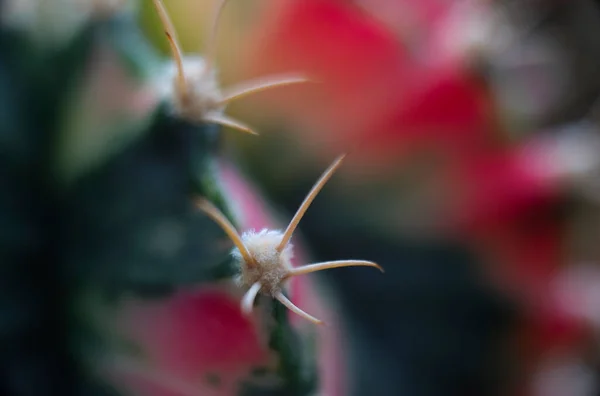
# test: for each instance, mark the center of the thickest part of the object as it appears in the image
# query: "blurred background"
(472, 177)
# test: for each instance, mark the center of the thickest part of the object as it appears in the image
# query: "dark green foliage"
(129, 221)
(297, 361)
(102, 231)
(31, 357)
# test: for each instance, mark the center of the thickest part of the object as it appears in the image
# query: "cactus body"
(113, 281)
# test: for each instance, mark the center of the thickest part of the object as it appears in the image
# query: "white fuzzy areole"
(271, 266)
(203, 89)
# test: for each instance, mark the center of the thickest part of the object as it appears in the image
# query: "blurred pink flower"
(376, 97)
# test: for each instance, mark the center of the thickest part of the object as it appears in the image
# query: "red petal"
(359, 64)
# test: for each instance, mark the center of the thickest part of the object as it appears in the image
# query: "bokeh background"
(472, 177)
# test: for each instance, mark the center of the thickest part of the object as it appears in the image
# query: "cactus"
(115, 282)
